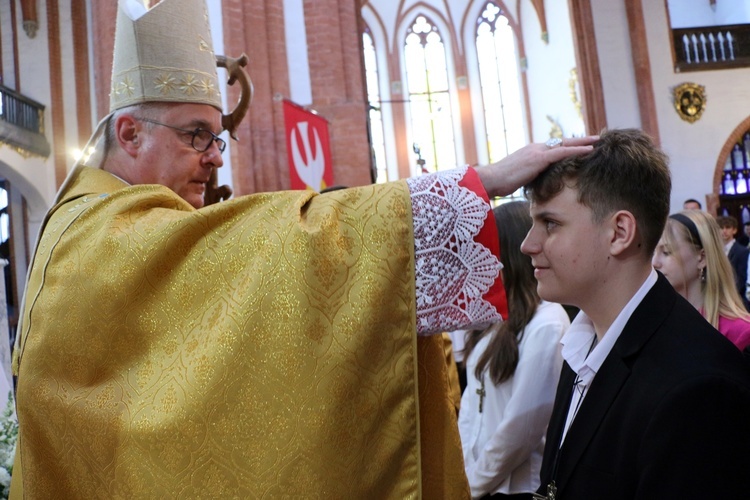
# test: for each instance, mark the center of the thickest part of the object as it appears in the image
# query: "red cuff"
(489, 238)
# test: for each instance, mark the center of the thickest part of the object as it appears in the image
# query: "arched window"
(375, 115)
(734, 190)
(497, 56)
(7, 265)
(429, 98)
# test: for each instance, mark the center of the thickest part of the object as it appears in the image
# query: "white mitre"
(161, 54)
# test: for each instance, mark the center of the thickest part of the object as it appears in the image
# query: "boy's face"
(727, 233)
(568, 249)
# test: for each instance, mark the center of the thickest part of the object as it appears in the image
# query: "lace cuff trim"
(453, 271)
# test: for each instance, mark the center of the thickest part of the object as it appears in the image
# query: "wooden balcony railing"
(711, 47)
(22, 123)
(21, 111)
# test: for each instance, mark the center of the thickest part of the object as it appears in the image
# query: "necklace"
(552, 486)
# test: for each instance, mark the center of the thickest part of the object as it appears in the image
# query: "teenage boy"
(737, 252)
(652, 401)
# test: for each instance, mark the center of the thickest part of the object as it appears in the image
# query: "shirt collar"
(728, 246)
(577, 341)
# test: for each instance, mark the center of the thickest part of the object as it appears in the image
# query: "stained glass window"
(375, 115)
(429, 98)
(497, 55)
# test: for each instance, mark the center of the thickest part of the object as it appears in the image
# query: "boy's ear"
(625, 229)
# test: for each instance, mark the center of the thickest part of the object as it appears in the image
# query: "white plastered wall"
(693, 148)
(32, 175)
(549, 71)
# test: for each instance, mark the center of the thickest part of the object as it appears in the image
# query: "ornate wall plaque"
(690, 101)
(575, 91)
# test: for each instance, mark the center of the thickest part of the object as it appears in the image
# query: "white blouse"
(503, 445)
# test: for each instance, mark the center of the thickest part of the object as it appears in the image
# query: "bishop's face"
(166, 156)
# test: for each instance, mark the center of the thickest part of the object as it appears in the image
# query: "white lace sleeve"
(453, 272)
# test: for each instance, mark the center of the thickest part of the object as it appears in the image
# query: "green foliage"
(8, 437)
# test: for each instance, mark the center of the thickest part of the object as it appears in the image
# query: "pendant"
(551, 493)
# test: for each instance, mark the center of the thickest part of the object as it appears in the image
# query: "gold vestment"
(263, 347)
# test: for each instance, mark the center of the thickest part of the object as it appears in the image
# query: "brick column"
(338, 88)
(104, 18)
(256, 27)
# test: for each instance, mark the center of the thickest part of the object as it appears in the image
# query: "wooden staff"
(214, 192)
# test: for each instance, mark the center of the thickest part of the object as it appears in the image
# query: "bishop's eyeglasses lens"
(203, 138)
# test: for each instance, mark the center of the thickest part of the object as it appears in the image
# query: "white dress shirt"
(728, 247)
(583, 360)
(503, 445)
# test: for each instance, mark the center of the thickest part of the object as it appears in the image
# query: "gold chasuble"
(262, 347)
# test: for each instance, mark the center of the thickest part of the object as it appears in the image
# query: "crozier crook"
(234, 67)
(214, 192)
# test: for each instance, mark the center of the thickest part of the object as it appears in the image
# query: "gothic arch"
(454, 63)
(27, 226)
(34, 199)
(468, 35)
(726, 150)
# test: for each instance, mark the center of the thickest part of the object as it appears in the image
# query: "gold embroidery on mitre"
(203, 45)
(165, 83)
(188, 85)
(206, 86)
(125, 86)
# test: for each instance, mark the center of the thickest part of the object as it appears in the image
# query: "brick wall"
(338, 88)
(104, 17)
(256, 27)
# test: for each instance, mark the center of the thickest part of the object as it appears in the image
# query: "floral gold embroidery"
(125, 86)
(204, 46)
(206, 86)
(189, 85)
(165, 83)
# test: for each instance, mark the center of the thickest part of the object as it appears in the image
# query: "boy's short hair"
(726, 221)
(692, 200)
(625, 171)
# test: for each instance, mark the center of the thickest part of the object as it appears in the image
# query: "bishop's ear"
(126, 130)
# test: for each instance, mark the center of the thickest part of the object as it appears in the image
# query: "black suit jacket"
(738, 257)
(667, 415)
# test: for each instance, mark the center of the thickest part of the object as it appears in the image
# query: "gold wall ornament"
(575, 91)
(690, 101)
(556, 130)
